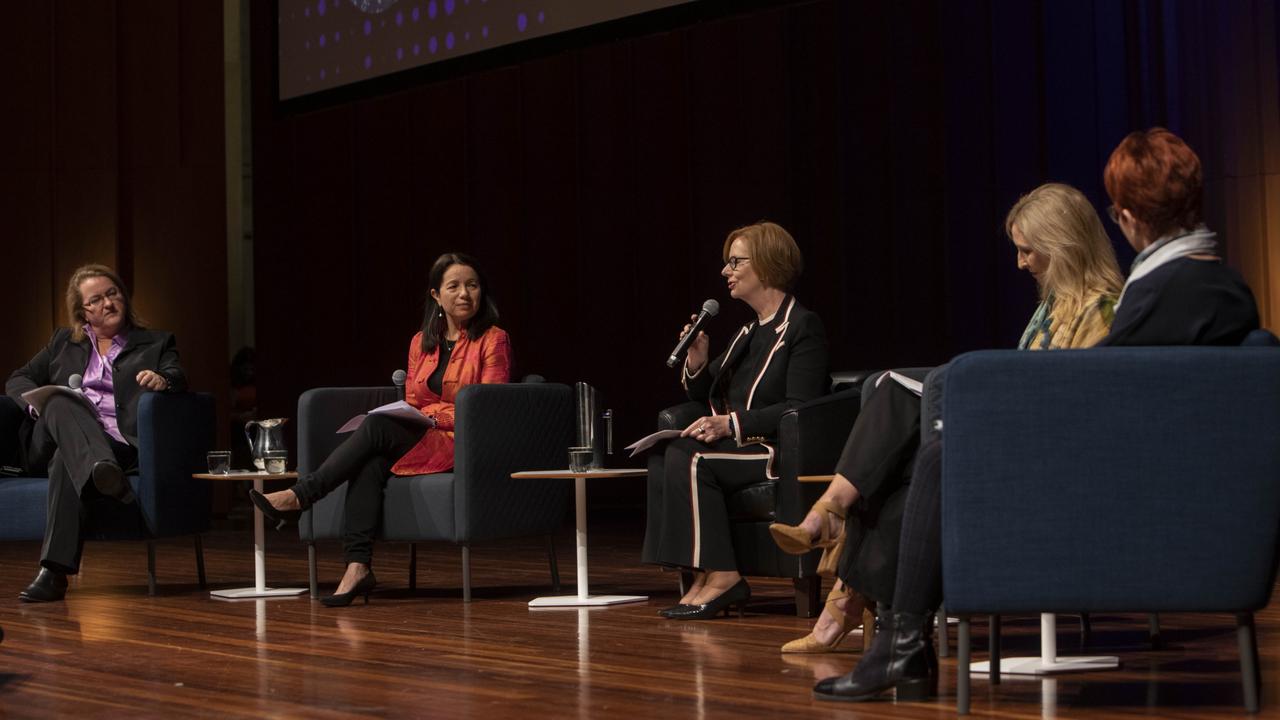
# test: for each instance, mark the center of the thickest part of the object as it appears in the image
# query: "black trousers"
(877, 460)
(688, 516)
(363, 461)
(919, 584)
(80, 442)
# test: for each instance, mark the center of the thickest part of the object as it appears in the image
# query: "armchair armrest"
(1111, 479)
(502, 429)
(175, 430)
(678, 417)
(810, 440)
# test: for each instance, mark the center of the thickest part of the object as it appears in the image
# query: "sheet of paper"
(398, 409)
(38, 397)
(649, 441)
(914, 386)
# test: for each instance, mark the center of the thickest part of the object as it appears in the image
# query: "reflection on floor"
(110, 650)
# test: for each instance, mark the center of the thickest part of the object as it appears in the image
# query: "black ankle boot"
(901, 657)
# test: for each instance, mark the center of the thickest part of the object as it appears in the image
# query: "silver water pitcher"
(266, 438)
(595, 428)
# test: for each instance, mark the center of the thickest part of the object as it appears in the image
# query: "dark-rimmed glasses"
(94, 302)
(734, 261)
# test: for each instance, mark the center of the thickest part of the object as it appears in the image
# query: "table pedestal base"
(1049, 663)
(588, 601)
(1037, 666)
(247, 593)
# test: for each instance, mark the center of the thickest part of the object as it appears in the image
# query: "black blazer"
(146, 350)
(794, 372)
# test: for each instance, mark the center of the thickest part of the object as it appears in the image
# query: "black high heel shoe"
(364, 587)
(678, 607)
(280, 517)
(737, 595)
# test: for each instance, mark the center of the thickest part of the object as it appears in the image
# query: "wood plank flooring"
(110, 650)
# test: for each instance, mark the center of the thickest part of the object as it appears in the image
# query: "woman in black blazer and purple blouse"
(771, 365)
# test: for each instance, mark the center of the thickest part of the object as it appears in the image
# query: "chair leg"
(1153, 631)
(1250, 677)
(1086, 629)
(413, 566)
(994, 644)
(808, 595)
(466, 573)
(554, 562)
(962, 666)
(944, 637)
(151, 567)
(686, 582)
(311, 570)
(200, 563)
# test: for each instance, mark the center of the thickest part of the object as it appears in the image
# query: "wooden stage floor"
(112, 651)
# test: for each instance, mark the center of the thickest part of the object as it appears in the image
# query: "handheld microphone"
(710, 309)
(75, 381)
(397, 378)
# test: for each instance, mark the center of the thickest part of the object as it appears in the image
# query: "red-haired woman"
(1178, 292)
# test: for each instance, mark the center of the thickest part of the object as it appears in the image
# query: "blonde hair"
(75, 301)
(775, 257)
(1059, 222)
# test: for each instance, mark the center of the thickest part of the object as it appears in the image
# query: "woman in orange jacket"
(459, 345)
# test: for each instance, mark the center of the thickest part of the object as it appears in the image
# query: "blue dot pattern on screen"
(372, 43)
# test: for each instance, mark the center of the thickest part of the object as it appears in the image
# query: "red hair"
(1157, 178)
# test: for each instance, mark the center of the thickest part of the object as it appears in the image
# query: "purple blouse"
(98, 385)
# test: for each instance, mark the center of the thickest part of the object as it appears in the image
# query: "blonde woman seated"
(1061, 242)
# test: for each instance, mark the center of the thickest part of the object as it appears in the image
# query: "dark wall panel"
(597, 183)
(117, 149)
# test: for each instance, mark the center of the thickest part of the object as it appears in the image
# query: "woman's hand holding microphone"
(697, 355)
(712, 427)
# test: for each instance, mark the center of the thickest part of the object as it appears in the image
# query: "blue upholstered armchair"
(1115, 479)
(499, 429)
(174, 433)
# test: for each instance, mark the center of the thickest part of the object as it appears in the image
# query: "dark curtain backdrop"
(596, 183)
(112, 147)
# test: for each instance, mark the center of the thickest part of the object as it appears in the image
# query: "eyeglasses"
(733, 261)
(96, 301)
(1114, 214)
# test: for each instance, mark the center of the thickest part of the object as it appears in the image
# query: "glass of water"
(219, 462)
(275, 461)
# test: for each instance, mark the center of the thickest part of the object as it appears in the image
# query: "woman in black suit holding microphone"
(771, 365)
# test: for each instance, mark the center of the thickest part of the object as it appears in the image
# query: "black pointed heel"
(281, 518)
(678, 607)
(364, 587)
(736, 596)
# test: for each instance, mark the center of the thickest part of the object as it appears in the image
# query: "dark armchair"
(1112, 480)
(810, 439)
(499, 429)
(174, 433)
